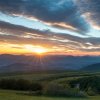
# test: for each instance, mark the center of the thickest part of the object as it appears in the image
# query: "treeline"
(80, 87)
(36, 88)
(91, 85)
(20, 84)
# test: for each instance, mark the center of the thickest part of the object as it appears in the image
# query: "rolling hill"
(51, 62)
(92, 67)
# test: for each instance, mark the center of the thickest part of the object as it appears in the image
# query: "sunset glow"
(36, 49)
(69, 27)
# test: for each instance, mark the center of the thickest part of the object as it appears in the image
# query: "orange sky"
(68, 27)
(7, 48)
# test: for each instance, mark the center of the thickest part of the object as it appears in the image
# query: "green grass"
(17, 95)
(61, 77)
(46, 76)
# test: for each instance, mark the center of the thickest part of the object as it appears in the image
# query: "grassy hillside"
(47, 76)
(17, 95)
(44, 78)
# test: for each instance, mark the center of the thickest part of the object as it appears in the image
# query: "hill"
(93, 67)
(16, 67)
(48, 62)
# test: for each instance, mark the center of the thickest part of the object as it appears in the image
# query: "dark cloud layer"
(54, 11)
(92, 7)
(18, 35)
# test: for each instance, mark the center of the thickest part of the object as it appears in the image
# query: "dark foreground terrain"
(54, 85)
(17, 95)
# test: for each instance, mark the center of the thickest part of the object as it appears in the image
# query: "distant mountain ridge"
(93, 67)
(15, 67)
(51, 62)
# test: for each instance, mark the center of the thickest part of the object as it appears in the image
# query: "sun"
(39, 50)
(36, 49)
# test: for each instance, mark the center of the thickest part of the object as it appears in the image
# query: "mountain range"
(11, 63)
(92, 67)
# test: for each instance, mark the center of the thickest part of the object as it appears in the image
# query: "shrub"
(36, 86)
(90, 92)
(7, 84)
(55, 89)
(20, 84)
(91, 85)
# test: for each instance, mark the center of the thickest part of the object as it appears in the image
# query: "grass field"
(17, 95)
(47, 76)
(59, 77)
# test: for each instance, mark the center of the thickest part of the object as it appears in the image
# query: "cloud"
(91, 10)
(74, 15)
(15, 34)
(51, 11)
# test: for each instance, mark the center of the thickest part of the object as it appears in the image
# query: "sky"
(69, 27)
